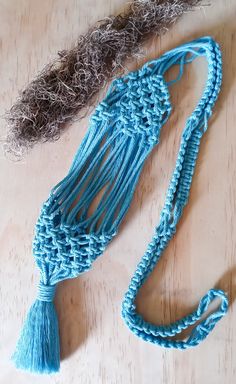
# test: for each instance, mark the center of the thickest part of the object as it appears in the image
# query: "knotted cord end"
(163, 335)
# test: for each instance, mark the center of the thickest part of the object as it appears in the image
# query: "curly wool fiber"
(67, 84)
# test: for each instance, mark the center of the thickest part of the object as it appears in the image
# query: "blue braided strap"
(161, 335)
(176, 199)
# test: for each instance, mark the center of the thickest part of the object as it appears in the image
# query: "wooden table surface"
(96, 345)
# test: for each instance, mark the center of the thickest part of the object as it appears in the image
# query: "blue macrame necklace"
(69, 235)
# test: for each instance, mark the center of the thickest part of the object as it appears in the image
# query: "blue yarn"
(84, 211)
(38, 348)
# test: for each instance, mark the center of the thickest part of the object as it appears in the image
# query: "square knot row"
(66, 249)
(139, 104)
(144, 107)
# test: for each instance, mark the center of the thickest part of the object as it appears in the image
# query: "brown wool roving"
(68, 84)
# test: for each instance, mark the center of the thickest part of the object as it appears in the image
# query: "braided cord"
(176, 199)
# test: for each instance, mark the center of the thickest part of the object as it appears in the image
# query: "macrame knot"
(46, 292)
(86, 208)
(143, 105)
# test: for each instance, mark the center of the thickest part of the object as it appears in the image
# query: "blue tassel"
(38, 348)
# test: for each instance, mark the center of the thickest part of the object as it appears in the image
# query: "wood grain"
(96, 345)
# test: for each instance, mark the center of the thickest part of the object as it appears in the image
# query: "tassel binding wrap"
(84, 211)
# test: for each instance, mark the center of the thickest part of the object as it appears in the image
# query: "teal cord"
(123, 130)
(84, 211)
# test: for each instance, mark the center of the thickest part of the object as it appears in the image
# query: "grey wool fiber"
(69, 83)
